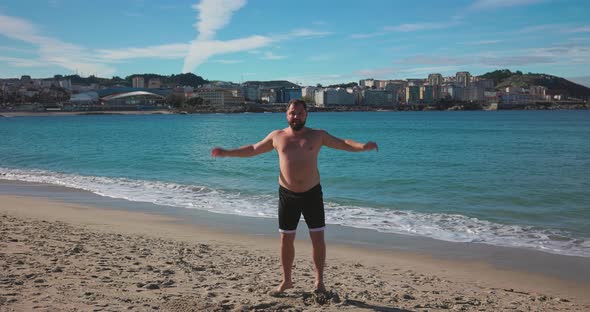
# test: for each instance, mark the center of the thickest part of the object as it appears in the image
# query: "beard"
(297, 125)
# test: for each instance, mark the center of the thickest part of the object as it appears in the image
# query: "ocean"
(506, 178)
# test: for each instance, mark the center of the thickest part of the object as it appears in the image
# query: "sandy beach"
(59, 256)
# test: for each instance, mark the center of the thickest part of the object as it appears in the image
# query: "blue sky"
(306, 42)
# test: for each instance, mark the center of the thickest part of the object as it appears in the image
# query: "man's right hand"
(217, 152)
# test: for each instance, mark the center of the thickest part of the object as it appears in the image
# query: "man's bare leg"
(319, 258)
(287, 257)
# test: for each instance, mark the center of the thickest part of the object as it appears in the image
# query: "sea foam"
(447, 227)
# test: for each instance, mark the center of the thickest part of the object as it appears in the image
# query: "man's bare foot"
(319, 288)
(284, 286)
(280, 291)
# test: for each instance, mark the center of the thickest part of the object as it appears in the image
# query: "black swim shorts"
(292, 205)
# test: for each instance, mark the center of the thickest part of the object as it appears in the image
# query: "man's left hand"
(370, 146)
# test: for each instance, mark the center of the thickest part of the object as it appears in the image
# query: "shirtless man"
(300, 191)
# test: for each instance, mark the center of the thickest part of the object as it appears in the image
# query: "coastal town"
(462, 91)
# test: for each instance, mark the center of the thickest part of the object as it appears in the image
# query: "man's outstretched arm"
(347, 145)
(247, 150)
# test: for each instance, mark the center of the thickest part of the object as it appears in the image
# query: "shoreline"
(573, 268)
(82, 113)
(281, 108)
(366, 275)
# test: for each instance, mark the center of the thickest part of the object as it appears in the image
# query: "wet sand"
(60, 256)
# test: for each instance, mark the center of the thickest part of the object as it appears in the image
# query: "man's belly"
(299, 180)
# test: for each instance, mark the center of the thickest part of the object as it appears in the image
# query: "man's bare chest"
(298, 146)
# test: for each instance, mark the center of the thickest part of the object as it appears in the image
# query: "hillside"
(272, 84)
(504, 78)
(188, 79)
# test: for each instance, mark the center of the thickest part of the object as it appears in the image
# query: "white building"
(308, 92)
(154, 83)
(379, 97)
(318, 97)
(367, 83)
(138, 82)
(325, 97)
(219, 97)
(66, 84)
(435, 79)
(463, 79)
(251, 93)
(339, 97)
(539, 92)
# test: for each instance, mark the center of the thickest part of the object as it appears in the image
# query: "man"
(300, 191)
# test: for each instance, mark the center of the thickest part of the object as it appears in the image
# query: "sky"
(305, 42)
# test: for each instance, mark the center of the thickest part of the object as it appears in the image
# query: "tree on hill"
(504, 78)
(343, 85)
(498, 75)
(186, 79)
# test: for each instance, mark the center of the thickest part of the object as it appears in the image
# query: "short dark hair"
(297, 102)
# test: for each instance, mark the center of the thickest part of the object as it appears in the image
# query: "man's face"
(296, 116)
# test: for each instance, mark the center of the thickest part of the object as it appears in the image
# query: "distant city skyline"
(306, 42)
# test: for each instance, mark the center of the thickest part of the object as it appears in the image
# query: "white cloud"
(408, 27)
(200, 51)
(51, 51)
(301, 33)
(562, 28)
(19, 50)
(308, 33)
(214, 15)
(227, 61)
(542, 28)
(482, 42)
(423, 71)
(435, 60)
(579, 39)
(376, 72)
(411, 27)
(557, 54)
(166, 51)
(571, 53)
(495, 4)
(270, 56)
(21, 62)
(17, 28)
(402, 73)
(516, 60)
(133, 14)
(367, 35)
(584, 29)
(324, 79)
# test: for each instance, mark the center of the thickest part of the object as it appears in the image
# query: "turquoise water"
(514, 178)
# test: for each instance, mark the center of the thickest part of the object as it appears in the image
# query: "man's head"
(297, 114)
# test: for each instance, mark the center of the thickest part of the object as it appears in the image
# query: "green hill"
(188, 79)
(504, 78)
(272, 84)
